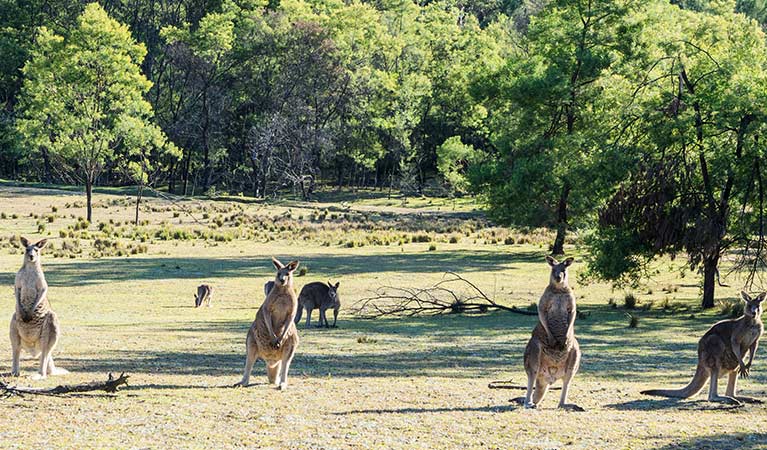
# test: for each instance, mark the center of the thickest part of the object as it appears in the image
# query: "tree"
(699, 112)
(453, 158)
(547, 109)
(82, 97)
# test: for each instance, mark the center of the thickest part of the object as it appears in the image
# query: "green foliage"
(82, 98)
(453, 157)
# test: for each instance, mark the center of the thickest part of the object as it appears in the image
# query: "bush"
(731, 307)
(633, 320)
(629, 301)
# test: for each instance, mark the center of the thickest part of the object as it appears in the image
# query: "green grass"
(411, 383)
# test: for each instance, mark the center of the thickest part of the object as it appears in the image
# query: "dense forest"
(638, 122)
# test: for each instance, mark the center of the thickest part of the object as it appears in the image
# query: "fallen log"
(111, 385)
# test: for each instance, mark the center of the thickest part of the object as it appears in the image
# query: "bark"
(709, 280)
(89, 197)
(138, 201)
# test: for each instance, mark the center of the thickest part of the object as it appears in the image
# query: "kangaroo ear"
(330, 284)
(746, 297)
(24, 241)
(277, 263)
(293, 265)
(552, 262)
(569, 261)
(41, 244)
(761, 297)
(338, 283)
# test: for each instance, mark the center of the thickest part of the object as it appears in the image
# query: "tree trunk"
(172, 178)
(187, 165)
(48, 173)
(559, 242)
(89, 197)
(138, 200)
(709, 281)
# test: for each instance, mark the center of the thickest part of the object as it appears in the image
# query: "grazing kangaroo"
(553, 352)
(721, 352)
(34, 326)
(273, 336)
(204, 294)
(319, 295)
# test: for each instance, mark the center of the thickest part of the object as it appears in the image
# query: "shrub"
(633, 320)
(731, 307)
(629, 301)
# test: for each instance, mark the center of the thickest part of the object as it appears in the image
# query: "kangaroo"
(553, 352)
(268, 287)
(34, 326)
(721, 351)
(204, 294)
(319, 295)
(273, 336)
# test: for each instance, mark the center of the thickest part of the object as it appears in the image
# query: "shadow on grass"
(448, 346)
(125, 269)
(648, 404)
(724, 441)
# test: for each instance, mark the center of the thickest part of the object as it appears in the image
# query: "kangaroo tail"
(299, 313)
(700, 378)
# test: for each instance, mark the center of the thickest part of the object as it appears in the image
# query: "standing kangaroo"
(204, 294)
(34, 326)
(319, 295)
(553, 352)
(721, 352)
(273, 336)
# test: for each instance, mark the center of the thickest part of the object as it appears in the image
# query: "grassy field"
(124, 295)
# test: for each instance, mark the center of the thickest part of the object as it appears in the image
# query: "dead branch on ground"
(441, 298)
(111, 386)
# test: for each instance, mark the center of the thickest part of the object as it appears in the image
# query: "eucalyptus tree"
(549, 118)
(700, 111)
(83, 96)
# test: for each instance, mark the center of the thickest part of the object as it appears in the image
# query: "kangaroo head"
(753, 306)
(284, 273)
(558, 271)
(333, 290)
(32, 251)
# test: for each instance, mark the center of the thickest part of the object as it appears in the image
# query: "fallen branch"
(433, 300)
(508, 385)
(111, 385)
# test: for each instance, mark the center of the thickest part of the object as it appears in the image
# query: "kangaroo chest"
(30, 283)
(750, 335)
(558, 312)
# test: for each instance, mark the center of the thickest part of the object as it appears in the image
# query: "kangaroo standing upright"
(320, 296)
(273, 336)
(721, 351)
(34, 326)
(553, 352)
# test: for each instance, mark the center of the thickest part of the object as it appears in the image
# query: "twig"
(111, 385)
(508, 385)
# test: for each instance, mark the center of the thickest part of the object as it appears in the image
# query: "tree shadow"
(723, 441)
(80, 273)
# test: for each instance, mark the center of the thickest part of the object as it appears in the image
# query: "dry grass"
(416, 383)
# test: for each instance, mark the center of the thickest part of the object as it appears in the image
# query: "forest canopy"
(637, 123)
